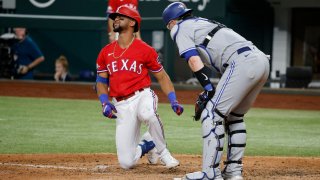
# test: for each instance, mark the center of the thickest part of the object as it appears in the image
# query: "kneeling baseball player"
(122, 68)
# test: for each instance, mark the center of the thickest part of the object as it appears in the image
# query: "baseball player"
(244, 69)
(122, 68)
(113, 5)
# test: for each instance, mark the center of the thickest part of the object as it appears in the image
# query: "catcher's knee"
(213, 128)
(236, 130)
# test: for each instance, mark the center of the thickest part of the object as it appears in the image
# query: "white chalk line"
(45, 166)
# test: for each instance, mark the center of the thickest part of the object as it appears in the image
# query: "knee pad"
(236, 130)
(213, 141)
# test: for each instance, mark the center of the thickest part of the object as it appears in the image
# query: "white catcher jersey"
(189, 34)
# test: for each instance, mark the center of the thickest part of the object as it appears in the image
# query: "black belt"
(211, 34)
(239, 51)
(243, 49)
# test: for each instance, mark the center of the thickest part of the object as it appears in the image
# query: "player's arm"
(164, 81)
(201, 72)
(102, 92)
(32, 65)
(167, 87)
(102, 84)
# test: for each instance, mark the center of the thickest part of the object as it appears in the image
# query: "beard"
(117, 28)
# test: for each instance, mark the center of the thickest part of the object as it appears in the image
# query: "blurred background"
(287, 30)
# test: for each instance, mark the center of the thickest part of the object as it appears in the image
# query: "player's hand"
(206, 95)
(23, 70)
(177, 108)
(108, 109)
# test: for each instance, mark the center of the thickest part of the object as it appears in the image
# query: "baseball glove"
(201, 103)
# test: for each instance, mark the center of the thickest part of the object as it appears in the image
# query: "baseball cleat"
(167, 160)
(199, 176)
(237, 177)
(146, 147)
(153, 156)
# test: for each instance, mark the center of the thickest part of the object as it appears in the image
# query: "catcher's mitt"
(201, 103)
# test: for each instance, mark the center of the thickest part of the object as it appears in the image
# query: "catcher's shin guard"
(236, 130)
(213, 141)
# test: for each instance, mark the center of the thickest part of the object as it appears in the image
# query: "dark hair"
(186, 16)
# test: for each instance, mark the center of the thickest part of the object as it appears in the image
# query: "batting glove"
(177, 108)
(107, 109)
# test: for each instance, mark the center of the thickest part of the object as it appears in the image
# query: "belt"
(239, 51)
(121, 98)
(243, 49)
(211, 34)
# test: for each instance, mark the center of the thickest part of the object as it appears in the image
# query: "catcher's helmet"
(128, 12)
(174, 11)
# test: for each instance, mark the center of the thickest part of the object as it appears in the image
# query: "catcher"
(244, 69)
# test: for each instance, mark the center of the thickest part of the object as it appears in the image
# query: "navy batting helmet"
(174, 11)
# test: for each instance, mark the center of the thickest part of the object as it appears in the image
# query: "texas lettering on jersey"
(125, 65)
(127, 69)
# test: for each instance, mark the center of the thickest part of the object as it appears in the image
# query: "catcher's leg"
(236, 130)
(213, 141)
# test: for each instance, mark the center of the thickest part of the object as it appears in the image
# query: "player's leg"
(127, 134)
(213, 141)
(231, 90)
(236, 131)
(147, 113)
(235, 125)
(147, 146)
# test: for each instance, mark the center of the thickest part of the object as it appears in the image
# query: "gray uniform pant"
(235, 93)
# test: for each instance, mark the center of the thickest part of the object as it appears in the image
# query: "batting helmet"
(128, 12)
(174, 11)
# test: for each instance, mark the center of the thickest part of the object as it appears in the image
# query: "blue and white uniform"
(244, 70)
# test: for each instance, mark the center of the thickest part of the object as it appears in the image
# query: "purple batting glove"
(107, 109)
(177, 108)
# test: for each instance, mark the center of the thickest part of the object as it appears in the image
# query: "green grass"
(41, 125)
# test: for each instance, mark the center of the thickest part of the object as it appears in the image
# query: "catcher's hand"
(201, 103)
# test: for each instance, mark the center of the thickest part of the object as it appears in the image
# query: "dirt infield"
(105, 166)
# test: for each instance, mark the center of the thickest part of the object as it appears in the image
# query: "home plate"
(100, 168)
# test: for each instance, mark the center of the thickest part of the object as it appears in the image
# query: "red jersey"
(115, 4)
(128, 68)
